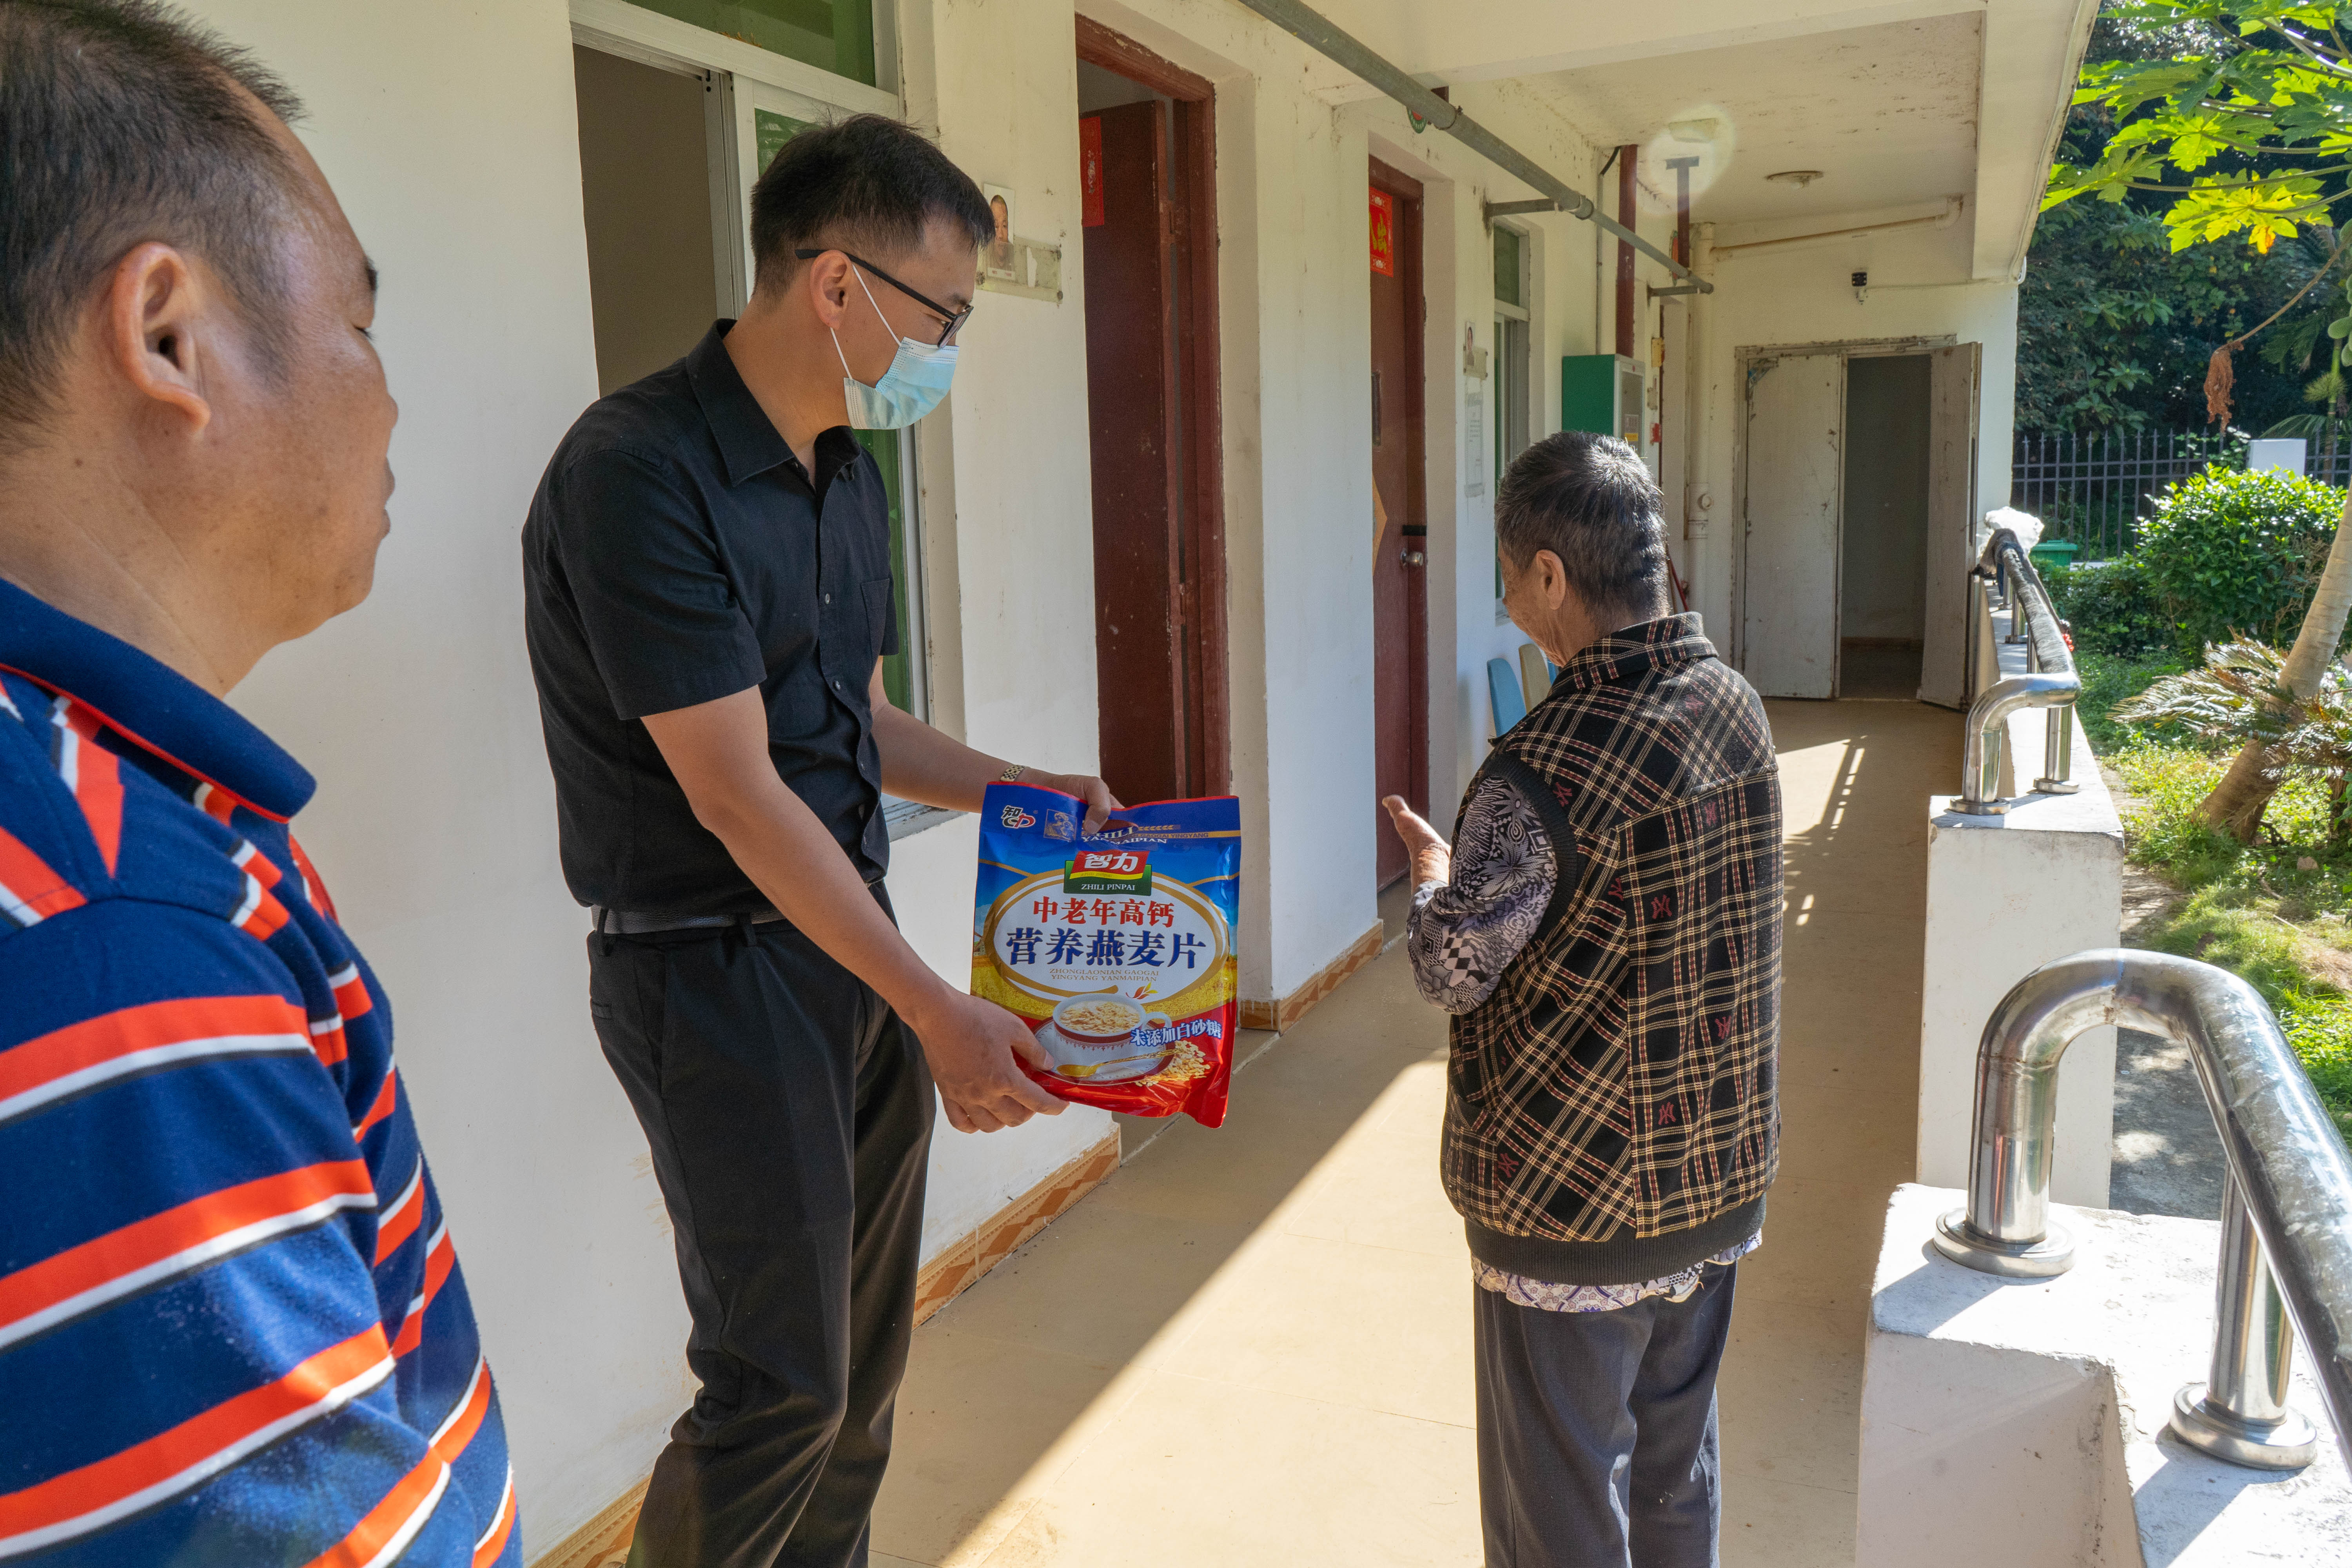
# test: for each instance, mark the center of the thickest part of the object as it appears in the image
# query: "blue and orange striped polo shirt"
(232, 1325)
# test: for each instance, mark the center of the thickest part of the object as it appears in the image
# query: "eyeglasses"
(954, 319)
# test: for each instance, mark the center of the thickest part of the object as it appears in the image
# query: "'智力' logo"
(1108, 871)
(1014, 816)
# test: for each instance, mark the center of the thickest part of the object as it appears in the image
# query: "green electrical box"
(1603, 393)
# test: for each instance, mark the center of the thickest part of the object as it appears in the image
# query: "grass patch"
(2253, 908)
(2290, 963)
(2108, 681)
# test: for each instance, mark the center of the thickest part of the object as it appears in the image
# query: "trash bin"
(2053, 552)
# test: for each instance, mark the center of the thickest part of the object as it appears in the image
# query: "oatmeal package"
(1117, 947)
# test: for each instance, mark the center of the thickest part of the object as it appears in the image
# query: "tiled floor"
(1879, 671)
(1251, 1346)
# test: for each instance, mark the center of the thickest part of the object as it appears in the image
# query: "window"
(902, 672)
(837, 35)
(1514, 298)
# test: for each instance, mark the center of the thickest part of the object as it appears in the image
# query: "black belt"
(632, 923)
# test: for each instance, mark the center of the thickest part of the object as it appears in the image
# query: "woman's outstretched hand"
(1433, 858)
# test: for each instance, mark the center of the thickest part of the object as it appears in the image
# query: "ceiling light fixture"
(1694, 131)
(1799, 178)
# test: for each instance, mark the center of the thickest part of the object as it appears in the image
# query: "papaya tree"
(2246, 125)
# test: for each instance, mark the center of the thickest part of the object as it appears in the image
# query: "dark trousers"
(790, 1118)
(1596, 1431)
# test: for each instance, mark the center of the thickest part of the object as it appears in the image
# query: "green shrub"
(2110, 608)
(2230, 553)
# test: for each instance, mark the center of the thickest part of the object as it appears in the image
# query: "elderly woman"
(1606, 932)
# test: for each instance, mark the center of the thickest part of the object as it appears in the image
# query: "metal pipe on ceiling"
(1952, 205)
(1317, 31)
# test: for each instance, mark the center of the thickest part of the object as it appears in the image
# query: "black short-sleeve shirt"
(676, 552)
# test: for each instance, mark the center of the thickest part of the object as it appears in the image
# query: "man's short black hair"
(121, 122)
(866, 183)
(1589, 500)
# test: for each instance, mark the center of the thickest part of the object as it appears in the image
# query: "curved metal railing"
(2287, 1198)
(2050, 680)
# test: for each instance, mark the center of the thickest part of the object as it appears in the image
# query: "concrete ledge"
(2018, 1423)
(2006, 895)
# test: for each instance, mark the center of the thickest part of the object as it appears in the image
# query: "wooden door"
(1132, 418)
(1399, 524)
(1952, 516)
(1795, 479)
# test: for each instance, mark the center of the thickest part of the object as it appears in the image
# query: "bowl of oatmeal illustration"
(1105, 1037)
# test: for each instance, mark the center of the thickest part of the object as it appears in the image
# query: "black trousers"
(1597, 1444)
(790, 1114)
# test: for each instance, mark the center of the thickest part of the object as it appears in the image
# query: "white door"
(1788, 584)
(1951, 521)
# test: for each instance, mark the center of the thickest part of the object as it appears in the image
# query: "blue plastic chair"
(1503, 690)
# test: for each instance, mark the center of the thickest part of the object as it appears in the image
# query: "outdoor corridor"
(1252, 1346)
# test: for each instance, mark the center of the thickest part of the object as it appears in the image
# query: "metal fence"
(2094, 489)
(2334, 466)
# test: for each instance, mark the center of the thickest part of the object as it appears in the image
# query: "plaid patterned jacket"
(1614, 1103)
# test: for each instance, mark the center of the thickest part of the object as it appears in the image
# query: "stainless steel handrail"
(2050, 681)
(2286, 1233)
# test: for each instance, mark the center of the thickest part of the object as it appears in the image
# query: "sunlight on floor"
(1252, 1346)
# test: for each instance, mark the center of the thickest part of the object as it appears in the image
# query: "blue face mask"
(913, 385)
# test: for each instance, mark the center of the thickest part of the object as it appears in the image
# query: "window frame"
(1514, 377)
(619, 28)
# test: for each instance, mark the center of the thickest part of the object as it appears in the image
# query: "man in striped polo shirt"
(232, 1328)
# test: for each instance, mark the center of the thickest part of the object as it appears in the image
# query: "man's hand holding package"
(718, 752)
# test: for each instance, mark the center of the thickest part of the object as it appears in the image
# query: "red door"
(1399, 603)
(1139, 637)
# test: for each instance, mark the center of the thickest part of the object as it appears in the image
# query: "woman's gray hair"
(1589, 500)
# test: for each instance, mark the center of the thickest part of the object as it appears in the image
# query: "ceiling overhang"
(1486, 42)
(1898, 102)
(2032, 49)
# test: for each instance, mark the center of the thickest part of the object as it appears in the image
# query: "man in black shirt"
(709, 599)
